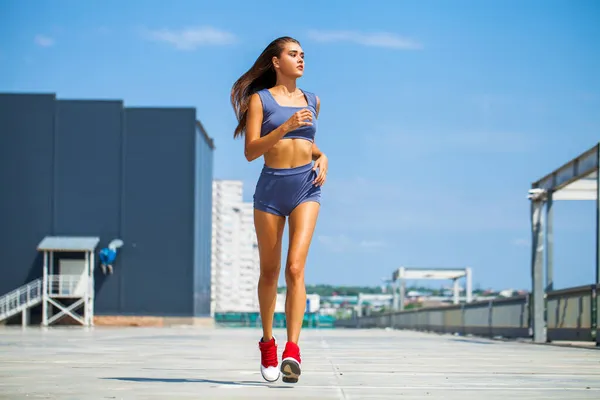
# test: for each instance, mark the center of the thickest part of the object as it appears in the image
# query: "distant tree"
(332, 290)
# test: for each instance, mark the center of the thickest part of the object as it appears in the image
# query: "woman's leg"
(269, 232)
(302, 222)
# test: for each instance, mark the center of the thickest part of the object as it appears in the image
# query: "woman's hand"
(322, 164)
(299, 119)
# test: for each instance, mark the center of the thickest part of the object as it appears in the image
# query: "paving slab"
(220, 363)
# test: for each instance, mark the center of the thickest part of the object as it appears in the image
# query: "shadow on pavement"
(472, 341)
(210, 381)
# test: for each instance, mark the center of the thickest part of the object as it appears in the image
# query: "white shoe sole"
(291, 370)
(270, 380)
(276, 369)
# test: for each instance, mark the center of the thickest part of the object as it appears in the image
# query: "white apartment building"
(235, 264)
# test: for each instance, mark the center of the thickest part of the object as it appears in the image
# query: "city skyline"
(435, 119)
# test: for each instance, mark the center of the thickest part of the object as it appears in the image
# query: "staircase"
(20, 299)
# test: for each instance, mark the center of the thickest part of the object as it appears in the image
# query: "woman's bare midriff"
(289, 153)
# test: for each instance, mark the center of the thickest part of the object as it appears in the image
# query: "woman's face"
(291, 60)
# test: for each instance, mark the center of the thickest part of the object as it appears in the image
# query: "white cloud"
(343, 243)
(419, 144)
(44, 41)
(191, 38)
(336, 244)
(522, 242)
(371, 244)
(377, 39)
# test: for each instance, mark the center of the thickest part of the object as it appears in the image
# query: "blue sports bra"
(274, 115)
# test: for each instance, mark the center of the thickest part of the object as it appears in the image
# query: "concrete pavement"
(204, 363)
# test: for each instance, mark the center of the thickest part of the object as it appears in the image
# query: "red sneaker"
(290, 363)
(268, 360)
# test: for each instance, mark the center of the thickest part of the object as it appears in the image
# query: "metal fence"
(570, 314)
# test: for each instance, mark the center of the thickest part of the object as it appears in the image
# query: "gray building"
(97, 168)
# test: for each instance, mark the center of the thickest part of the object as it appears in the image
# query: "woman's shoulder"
(261, 100)
(313, 99)
(260, 95)
(308, 93)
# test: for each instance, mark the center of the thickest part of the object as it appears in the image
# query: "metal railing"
(31, 294)
(571, 315)
(20, 299)
(66, 285)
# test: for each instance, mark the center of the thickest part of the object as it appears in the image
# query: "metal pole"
(86, 298)
(456, 294)
(537, 272)
(549, 245)
(45, 291)
(548, 252)
(394, 287)
(92, 288)
(402, 289)
(52, 286)
(469, 285)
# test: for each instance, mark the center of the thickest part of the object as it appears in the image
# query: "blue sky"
(436, 116)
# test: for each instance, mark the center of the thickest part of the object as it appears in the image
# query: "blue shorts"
(280, 190)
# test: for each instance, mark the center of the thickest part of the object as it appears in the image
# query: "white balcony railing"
(19, 299)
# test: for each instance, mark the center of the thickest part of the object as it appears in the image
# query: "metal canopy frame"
(57, 286)
(578, 179)
(402, 274)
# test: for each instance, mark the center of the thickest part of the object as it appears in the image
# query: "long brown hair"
(260, 76)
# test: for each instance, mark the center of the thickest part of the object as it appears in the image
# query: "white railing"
(30, 294)
(67, 285)
(20, 299)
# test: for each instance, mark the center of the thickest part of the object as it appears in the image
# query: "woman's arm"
(316, 152)
(321, 161)
(255, 145)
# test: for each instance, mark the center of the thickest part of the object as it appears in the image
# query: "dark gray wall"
(87, 176)
(93, 168)
(158, 210)
(203, 222)
(26, 159)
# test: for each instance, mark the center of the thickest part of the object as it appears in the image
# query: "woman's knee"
(270, 275)
(294, 270)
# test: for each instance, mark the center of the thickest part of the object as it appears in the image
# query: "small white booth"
(72, 280)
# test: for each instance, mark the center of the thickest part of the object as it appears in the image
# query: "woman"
(279, 123)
